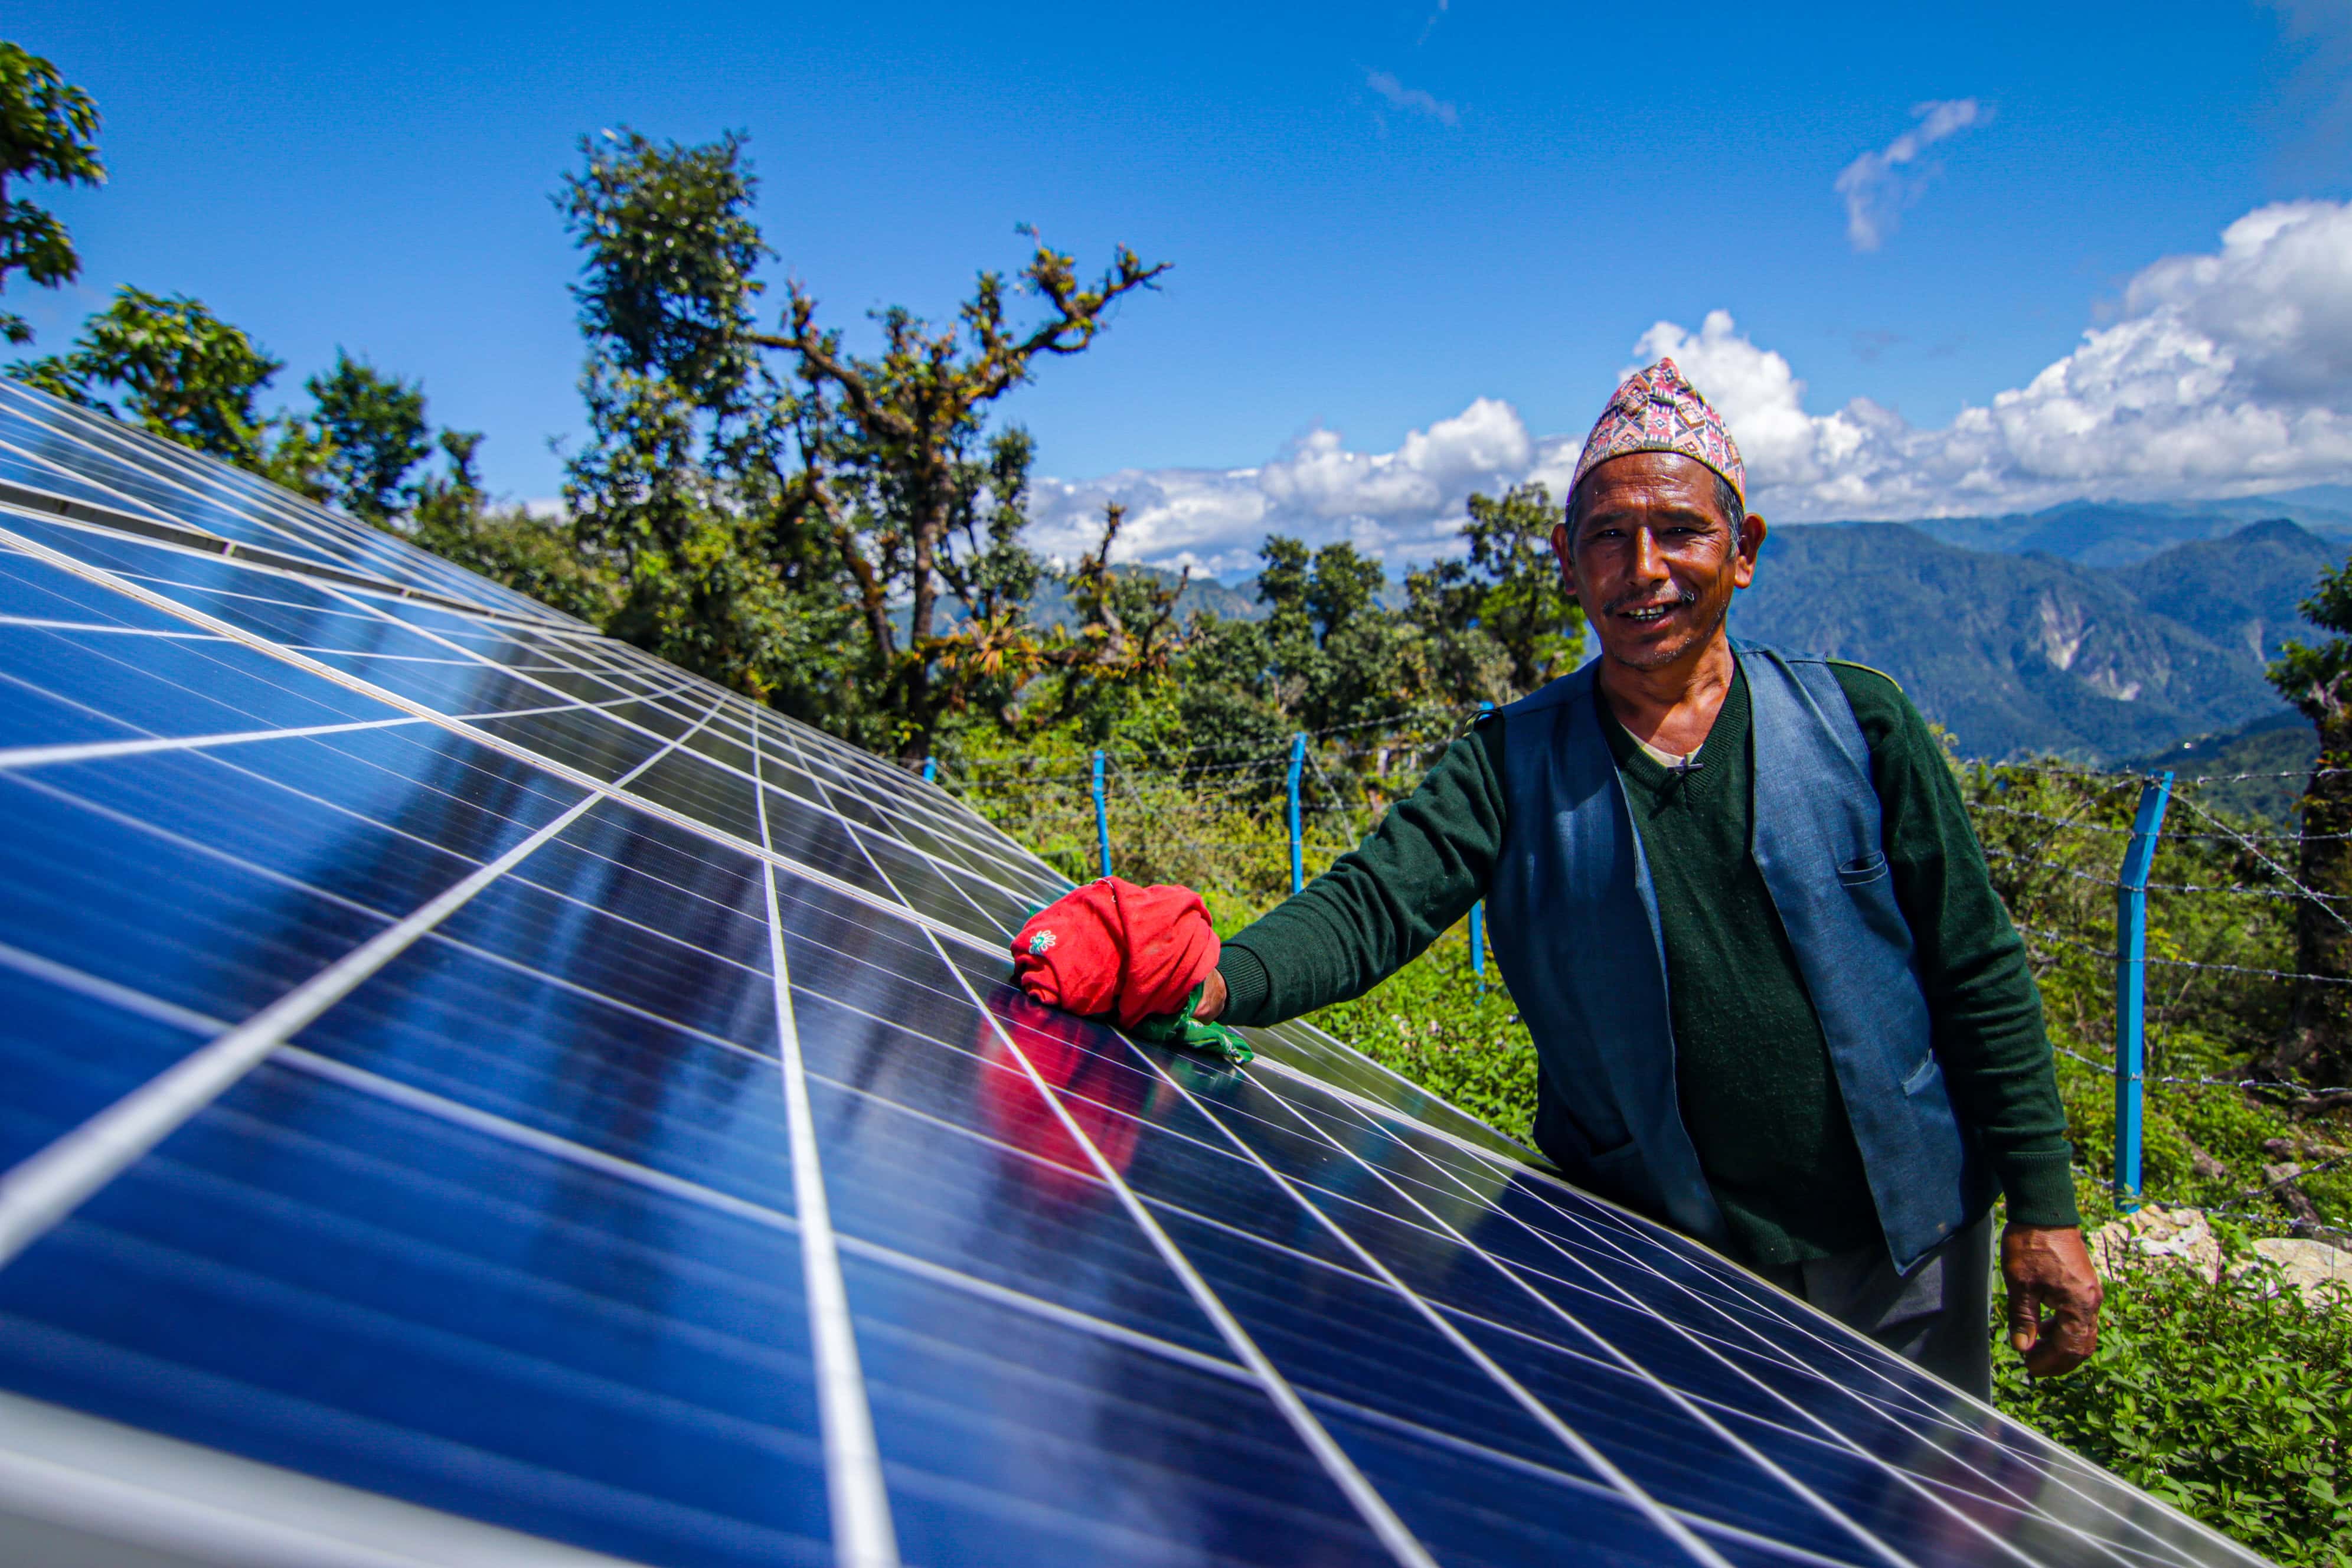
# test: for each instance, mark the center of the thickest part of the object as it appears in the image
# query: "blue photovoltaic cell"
(551, 1074)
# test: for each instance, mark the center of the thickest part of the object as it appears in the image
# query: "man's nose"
(1649, 562)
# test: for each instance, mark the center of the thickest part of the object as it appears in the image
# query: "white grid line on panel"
(40, 624)
(856, 839)
(23, 757)
(49, 1184)
(1369, 1503)
(345, 543)
(1842, 1342)
(1609, 1351)
(95, 440)
(1831, 1433)
(66, 977)
(1629, 1490)
(724, 698)
(561, 770)
(859, 1501)
(2066, 1465)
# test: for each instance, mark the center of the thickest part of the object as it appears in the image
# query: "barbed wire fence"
(1217, 814)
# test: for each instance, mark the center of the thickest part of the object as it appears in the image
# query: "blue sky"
(1450, 217)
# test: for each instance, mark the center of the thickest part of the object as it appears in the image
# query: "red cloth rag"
(1114, 948)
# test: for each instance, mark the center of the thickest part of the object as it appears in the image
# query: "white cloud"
(1403, 503)
(1877, 186)
(2224, 373)
(1411, 99)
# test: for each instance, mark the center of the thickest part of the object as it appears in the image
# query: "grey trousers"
(1938, 1317)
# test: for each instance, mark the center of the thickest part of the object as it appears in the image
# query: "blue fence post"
(1478, 916)
(931, 770)
(2131, 988)
(1102, 817)
(1297, 857)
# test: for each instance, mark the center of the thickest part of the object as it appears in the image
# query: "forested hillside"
(2024, 654)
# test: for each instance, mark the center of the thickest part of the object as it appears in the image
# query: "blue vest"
(1576, 931)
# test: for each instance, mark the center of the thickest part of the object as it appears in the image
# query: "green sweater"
(1758, 1092)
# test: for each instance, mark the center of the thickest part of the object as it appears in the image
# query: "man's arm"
(1380, 904)
(1987, 1016)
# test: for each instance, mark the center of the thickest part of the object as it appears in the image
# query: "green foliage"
(376, 429)
(2316, 1042)
(670, 249)
(1430, 1022)
(2231, 1401)
(534, 555)
(48, 130)
(180, 371)
(1508, 589)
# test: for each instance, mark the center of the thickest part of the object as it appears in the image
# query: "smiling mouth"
(1649, 614)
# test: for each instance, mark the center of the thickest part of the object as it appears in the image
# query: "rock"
(2206, 1165)
(2156, 1234)
(2281, 1180)
(2311, 1267)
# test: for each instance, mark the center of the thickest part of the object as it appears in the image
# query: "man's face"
(1653, 557)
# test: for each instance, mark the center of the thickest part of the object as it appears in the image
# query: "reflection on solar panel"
(478, 1094)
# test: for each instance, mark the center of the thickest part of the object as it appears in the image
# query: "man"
(1775, 1001)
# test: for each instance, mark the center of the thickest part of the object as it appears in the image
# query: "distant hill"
(2116, 533)
(2240, 591)
(2277, 752)
(2014, 653)
(1051, 608)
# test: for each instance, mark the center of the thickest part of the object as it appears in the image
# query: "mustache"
(1682, 598)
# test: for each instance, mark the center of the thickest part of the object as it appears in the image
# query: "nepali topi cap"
(1657, 410)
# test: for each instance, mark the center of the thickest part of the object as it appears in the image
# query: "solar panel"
(480, 1094)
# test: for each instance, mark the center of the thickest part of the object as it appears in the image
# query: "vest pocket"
(1863, 871)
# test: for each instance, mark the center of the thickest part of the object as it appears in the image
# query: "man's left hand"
(2048, 1272)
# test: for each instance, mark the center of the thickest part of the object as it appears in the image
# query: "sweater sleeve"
(1381, 903)
(1986, 1011)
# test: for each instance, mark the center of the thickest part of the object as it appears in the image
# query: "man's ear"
(1560, 552)
(1751, 539)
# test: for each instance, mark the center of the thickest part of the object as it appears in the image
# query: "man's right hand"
(1113, 949)
(1213, 998)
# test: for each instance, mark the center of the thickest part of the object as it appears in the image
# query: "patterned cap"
(1657, 411)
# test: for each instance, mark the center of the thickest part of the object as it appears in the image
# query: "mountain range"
(2039, 652)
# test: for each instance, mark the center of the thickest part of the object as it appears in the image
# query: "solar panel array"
(480, 1094)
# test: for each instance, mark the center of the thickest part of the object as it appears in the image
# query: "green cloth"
(1758, 1091)
(1180, 1028)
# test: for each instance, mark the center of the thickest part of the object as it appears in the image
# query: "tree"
(376, 425)
(48, 130)
(1505, 596)
(1340, 658)
(833, 533)
(182, 372)
(889, 442)
(2318, 1041)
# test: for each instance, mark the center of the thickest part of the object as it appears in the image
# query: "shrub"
(2231, 1401)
